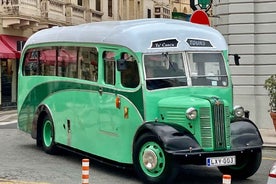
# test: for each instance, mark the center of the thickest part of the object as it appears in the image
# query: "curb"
(269, 146)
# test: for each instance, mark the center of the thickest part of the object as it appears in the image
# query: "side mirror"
(237, 59)
(121, 64)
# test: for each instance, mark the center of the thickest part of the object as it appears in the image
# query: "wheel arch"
(173, 137)
(40, 113)
(244, 133)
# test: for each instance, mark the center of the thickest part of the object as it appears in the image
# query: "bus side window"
(88, 58)
(31, 62)
(109, 67)
(48, 61)
(130, 76)
(40, 61)
(67, 62)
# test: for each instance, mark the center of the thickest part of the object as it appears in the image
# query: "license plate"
(221, 161)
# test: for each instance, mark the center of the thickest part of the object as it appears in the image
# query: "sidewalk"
(268, 135)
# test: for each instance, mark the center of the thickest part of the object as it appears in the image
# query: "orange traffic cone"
(85, 171)
(226, 179)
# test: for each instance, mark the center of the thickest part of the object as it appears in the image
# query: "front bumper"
(199, 157)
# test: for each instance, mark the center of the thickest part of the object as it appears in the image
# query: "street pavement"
(10, 116)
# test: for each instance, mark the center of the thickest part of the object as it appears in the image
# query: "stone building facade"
(249, 27)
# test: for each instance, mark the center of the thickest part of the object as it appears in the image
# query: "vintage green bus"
(152, 93)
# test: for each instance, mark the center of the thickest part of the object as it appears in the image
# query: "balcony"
(95, 16)
(75, 14)
(53, 11)
(40, 14)
(20, 13)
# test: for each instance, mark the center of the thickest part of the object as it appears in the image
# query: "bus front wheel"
(48, 136)
(151, 163)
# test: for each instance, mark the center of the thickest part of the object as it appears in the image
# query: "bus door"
(107, 96)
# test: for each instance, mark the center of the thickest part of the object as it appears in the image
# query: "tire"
(48, 136)
(246, 166)
(163, 170)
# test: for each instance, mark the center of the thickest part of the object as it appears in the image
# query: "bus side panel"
(118, 126)
(93, 124)
(71, 109)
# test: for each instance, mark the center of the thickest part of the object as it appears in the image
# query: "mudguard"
(245, 134)
(40, 109)
(173, 137)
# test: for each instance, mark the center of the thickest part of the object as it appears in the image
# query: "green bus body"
(107, 118)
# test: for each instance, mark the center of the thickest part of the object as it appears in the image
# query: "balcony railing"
(53, 11)
(19, 13)
(45, 13)
(21, 7)
(75, 14)
(96, 16)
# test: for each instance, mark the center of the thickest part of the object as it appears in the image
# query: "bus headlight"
(191, 113)
(238, 111)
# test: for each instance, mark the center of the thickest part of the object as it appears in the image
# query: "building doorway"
(6, 82)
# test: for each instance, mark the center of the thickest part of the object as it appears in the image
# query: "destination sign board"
(198, 43)
(164, 43)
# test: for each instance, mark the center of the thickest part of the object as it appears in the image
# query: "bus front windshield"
(163, 70)
(207, 69)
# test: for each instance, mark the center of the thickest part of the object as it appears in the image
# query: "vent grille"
(205, 127)
(176, 115)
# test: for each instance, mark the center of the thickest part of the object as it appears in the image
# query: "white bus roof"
(142, 35)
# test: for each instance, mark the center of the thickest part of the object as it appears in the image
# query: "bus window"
(40, 61)
(67, 62)
(31, 60)
(164, 70)
(109, 67)
(88, 58)
(48, 61)
(207, 69)
(130, 76)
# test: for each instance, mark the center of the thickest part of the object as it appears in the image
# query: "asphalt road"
(22, 162)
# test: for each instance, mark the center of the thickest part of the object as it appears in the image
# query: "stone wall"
(249, 27)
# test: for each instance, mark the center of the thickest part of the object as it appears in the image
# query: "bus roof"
(142, 35)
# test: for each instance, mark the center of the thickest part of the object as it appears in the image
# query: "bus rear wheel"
(48, 136)
(151, 163)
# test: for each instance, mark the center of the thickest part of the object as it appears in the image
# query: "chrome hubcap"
(149, 159)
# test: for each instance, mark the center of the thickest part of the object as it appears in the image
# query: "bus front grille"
(215, 127)
(219, 126)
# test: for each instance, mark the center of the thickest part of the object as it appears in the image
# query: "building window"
(157, 10)
(149, 13)
(98, 5)
(109, 8)
(79, 2)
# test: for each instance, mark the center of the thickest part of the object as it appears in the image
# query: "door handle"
(101, 90)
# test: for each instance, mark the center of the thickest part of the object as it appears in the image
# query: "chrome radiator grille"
(206, 128)
(212, 126)
(219, 126)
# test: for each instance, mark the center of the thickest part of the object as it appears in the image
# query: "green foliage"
(270, 86)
